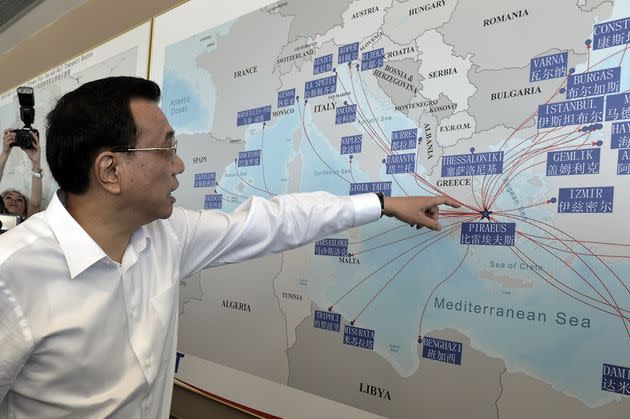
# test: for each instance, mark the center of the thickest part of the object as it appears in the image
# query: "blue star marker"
(486, 214)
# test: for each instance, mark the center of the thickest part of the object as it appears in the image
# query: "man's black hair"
(94, 117)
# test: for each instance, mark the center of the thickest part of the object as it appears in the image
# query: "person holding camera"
(13, 201)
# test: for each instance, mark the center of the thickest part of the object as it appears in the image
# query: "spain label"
(548, 67)
(351, 144)
(473, 164)
(585, 200)
(253, 116)
(572, 112)
(488, 234)
(356, 336)
(574, 162)
(331, 247)
(367, 187)
(327, 321)
(205, 180)
(446, 351)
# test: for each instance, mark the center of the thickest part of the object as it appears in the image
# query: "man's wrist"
(381, 199)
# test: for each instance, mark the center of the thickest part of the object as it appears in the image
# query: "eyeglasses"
(172, 149)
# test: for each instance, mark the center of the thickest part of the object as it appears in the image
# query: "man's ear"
(106, 172)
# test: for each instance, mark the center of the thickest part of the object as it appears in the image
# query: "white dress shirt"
(82, 336)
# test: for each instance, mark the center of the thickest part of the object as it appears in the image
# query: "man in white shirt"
(89, 287)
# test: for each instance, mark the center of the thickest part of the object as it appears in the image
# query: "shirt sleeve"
(15, 340)
(259, 226)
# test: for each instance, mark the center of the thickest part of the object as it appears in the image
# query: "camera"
(23, 136)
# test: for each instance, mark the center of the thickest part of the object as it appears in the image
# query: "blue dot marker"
(351, 156)
(571, 70)
(562, 90)
(599, 143)
(472, 149)
(588, 42)
(384, 160)
(553, 200)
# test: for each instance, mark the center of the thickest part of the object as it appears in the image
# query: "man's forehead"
(149, 116)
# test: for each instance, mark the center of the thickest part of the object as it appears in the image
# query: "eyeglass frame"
(122, 149)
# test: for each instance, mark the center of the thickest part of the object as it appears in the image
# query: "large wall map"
(520, 305)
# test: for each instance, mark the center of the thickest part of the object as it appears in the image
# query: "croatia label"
(327, 320)
(346, 114)
(548, 67)
(616, 379)
(572, 112)
(322, 64)
(351, 144)
(213, 201)
(372, 59)
(488, 234)
(286, 98)
(320, 87)
(442, 350)
(205, 180)
(586, 200)
(611, 34)
(348, 53)
(620, 135)
(618, 107)
(594, 83)
(473, 164)
(253, 116)
(400, 163)
(623, 162)
(249, 158)
(367, 187)
(575, 162)
(356, 336)
(405, 139)
(331, 247)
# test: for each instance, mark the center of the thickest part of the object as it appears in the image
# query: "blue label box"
(594, 83)
(623, 162)
(367, 187)
(616, 379)
(372, 59)
(620, 135)
(345, 114)
(488, 234)
(348, 52)
(253, 116)
(356, 336)
(327, 321)
(400, 163)
(473, 164)
(320, 87)
(548, 67)
(286, 98)
(322, 64)
(441, 350)
(611, 34)
(249, 158)
(213, 201)
(573, 162)
(351, 144)
(332, 247)
(205, 180)
(404, 139)
(597, 199)
(618, 107)
(572, 112)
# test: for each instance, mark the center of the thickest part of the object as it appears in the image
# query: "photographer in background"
(13, 201)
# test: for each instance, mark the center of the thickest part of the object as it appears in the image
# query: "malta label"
(575, 162)
(618, 107)
(351, 144)
(327, 320)
(356, 336)
(623, 162)
(597, 199)
(213, 201)
(611, 34)
(572, 112)
(286, 98)
(322, 64)
(345, 114)
(205, 180)
(405, 139)
(473, 164)
(320, 87)
(348, 52)
(249, 158)
(548, 67)
(594, 83)
(400, 163)
(442, 350)
(253, 116)
(367, 187)
(372, 59)
(331, 247)
(616, 379)
(620, 135)
(488, 234)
